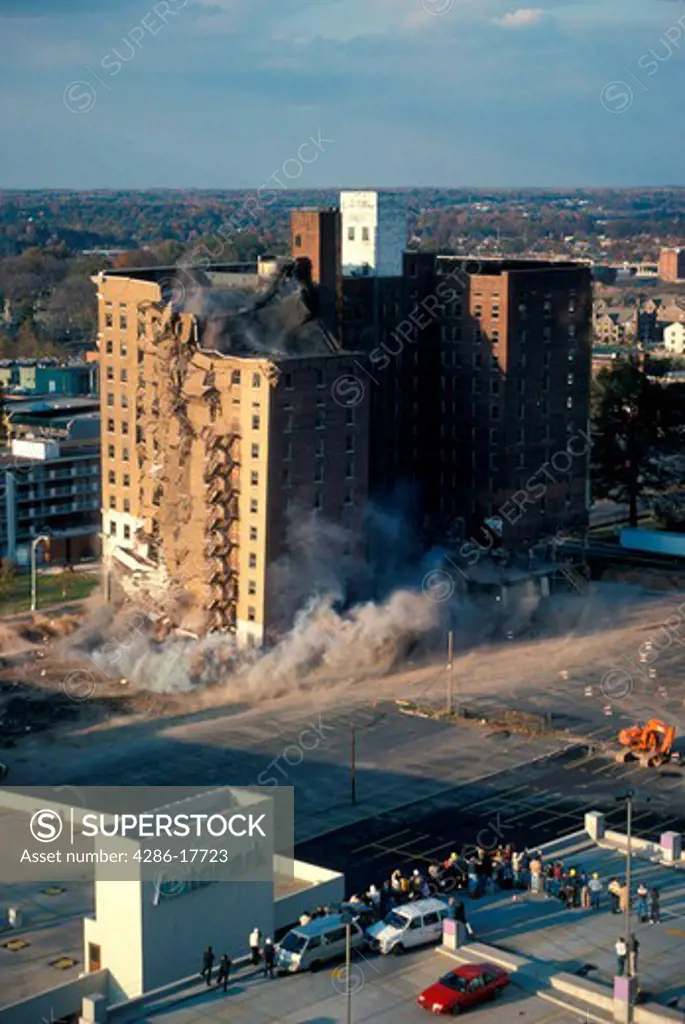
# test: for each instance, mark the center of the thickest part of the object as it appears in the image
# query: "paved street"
(384, 992)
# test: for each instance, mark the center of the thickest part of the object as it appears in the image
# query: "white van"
(413, 924)
(308, 946)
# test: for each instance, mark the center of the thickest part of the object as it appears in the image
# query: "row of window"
(365, 234)
(123, 320)
(318, 473)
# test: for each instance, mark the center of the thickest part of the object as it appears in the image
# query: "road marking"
(393, 835)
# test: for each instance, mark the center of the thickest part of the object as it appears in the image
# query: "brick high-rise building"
(478, 374)
(672, 265)
(220, 435)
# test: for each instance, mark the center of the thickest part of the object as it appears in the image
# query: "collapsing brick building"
(222, 433)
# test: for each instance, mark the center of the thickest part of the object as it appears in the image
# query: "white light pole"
(346, 919)
(42, 538)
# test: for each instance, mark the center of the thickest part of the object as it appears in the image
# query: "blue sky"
(220, 93)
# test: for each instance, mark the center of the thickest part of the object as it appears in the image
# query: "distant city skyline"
(447, 93)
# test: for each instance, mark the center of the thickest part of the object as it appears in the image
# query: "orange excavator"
(651, 744)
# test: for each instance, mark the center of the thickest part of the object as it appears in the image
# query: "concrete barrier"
(63, 1001)
(652, 1013)
(590, 992)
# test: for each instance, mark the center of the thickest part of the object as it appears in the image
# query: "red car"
(464, 987)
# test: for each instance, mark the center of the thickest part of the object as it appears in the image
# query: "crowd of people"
(474, 875)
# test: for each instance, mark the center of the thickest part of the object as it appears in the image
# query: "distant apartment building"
(222, 442)
(672, 265)
(51, 487)
(674, 339)
(40, 377)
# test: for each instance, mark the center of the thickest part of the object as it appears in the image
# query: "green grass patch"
(51, 590)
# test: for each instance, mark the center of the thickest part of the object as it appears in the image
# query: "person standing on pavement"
(535, 873)
(224, 971)
(255, 941)
(269, 958)
(642, 908)
(633, 950)
(621, 954)
(623, 897)
(654, 910)
(614, 894)
(595, 887)
(207, 964)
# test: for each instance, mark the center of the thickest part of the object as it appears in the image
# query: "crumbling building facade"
(221, 434)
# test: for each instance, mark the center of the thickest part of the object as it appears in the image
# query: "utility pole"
(42, 538)
(450, 668)
(353, 764)
(629, 836)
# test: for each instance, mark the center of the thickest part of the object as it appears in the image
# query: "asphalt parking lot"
(528, 805)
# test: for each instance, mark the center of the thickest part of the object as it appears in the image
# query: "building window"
(123, 322)
(251, 588)
(109, 348)
(349, 417)
(256, 380)
(124, 350)
(124, 426)
(350, 234)
(127, 532)
(319, 448)
(110, 426)
(320, 419)
(251, 615)
(365, 235)
(253, 533)
(111, 476)
(320, 382)
(110, 400)
(127, 480)
(288, 452)
(124, 454)
(235, 377)
(109, 320)
(569, 379)
(318, 473)
(127, 505)
(112, 529)
(252, 560)
(349, 444)
(318, 501)
(288, 424)
(255, 422)
(110, 373)
(349, 469)
(124, 376)
(494, 412)
(288, 381)
(255, 451)
(569, 402)
(124, 401)
(110, 451)
(298, 241)
(254, 478)
(112, 501)
(254, 505)
(349, 496)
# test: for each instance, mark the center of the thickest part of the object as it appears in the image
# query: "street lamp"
(346, 919)
(41, 539)
(628, 797)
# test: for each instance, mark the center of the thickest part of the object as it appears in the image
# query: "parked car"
(308, 946)
(413, 924)
(464, 987)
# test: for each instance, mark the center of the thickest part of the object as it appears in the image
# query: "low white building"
(674, 339)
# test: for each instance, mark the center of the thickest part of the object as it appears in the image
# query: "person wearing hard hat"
(595, 887)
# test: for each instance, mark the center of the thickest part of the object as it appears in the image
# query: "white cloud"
(520, 18)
